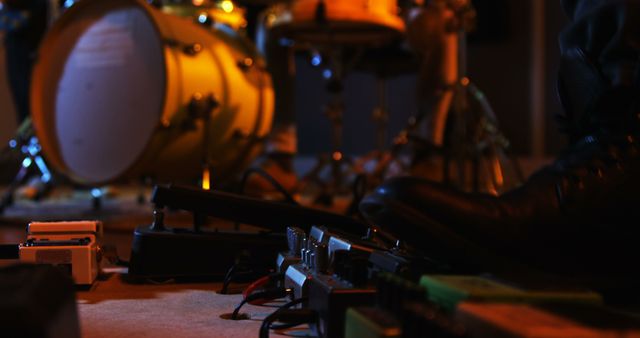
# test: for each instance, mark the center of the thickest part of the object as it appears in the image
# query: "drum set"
(175, 90)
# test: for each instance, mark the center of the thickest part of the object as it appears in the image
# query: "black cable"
(122, 262)
(227, 279)
(233, 276)
(274, 293)
(270, 179)
(110, 253)
(285, 326)
(266, 323)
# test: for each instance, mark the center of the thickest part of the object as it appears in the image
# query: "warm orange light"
(227, 6)
(197, 2)
(271, 18)
(206, 179)
(464, 81)
(497, 172)
(337, 156)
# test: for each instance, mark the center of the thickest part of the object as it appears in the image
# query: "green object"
(448, 291)
(371, 322)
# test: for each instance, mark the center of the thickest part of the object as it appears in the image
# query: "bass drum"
(120, 90)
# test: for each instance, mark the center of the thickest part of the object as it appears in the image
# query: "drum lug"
(192, 48)
(165, 123)
(245, 64)
(244, 136)
(171, 42)
(201, 107)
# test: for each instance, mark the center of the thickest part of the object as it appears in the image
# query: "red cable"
(253, 287)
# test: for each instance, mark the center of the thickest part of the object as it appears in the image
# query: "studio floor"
(113, 307)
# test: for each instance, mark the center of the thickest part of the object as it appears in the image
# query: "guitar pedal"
(70, 246)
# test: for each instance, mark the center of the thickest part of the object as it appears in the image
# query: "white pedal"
(72, 246)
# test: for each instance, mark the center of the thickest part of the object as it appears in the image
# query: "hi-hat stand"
(474, 151)
(340, 166)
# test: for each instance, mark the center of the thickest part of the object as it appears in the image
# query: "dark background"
(499, 63)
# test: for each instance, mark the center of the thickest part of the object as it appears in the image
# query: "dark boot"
(576, 218)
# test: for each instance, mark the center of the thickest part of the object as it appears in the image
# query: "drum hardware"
(340, 166)
(205, 20)
(241, 136)
(31, 165)
(341, 30)
(171, 42)
(245, 64)
(202, 108)
(380, 114)
(475, 135)
(469, 136)
(187, 48)
(380, 156)
(321, 14)
(192, 49)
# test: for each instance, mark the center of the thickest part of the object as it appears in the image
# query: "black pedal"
(408, 266)
(159, 251)
(331, 295)
(190, 254)
(162, 252)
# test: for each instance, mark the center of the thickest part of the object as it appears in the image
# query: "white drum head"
(110, 94)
